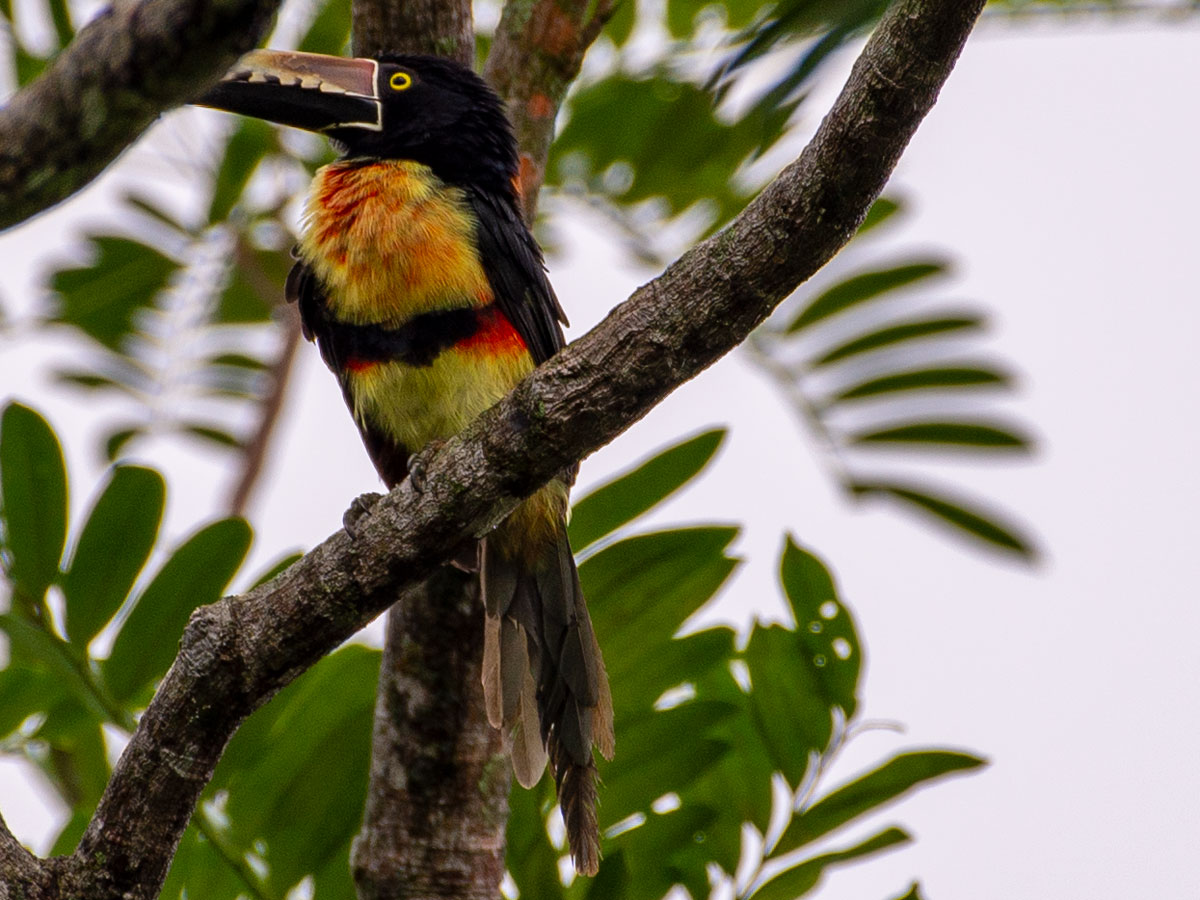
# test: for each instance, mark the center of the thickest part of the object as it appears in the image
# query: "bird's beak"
(304, 90)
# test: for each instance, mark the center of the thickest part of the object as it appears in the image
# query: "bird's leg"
(359, 507)
(418, 464)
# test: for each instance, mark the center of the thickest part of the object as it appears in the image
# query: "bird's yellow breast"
(389, 241)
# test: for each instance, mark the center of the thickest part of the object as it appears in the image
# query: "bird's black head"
(423, 108)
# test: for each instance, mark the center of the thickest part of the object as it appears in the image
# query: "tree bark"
(435, 27)
(536, 55)
(129, 64)
(438, 799)
(235, 654)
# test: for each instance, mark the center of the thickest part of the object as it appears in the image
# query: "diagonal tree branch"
(238, 652)
(124, 68)
(536, 55)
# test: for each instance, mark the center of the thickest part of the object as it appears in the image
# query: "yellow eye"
(401, 81)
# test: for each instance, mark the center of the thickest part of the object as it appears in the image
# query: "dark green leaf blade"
(862, 288)
(899, 332)
(914, 892)
(884, 785)
(102, 298)
(635, 492)
(116, 542)
(825, 627)
(195, 575)
(981, 436)
(531, 857)
(641, 589)
(34, 646)
(797, 881)
(33, 499)
(924, 379)
(962, 515)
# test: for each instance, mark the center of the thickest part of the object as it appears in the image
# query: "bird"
(427, 296)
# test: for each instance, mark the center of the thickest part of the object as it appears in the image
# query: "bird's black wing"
(305, 289)
(513, 264)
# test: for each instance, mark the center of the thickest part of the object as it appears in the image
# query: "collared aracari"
(428, 298)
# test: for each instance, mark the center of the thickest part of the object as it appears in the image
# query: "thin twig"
(255, 451)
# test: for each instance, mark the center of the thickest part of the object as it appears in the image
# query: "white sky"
(1060, 169)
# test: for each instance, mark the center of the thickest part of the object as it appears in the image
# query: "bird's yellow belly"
(415, 405)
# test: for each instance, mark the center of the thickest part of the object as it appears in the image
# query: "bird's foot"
(418, 465)
(359, 507)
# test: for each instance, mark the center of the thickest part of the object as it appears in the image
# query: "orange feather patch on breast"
(390, 241)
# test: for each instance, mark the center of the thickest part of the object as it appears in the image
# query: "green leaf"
(882, 210)
(251, 140)
(31, 645)
(25, 689)
(825, 626)
(929, 378)
(898, 776)
(530, 856)
(116, 542)
(654, 760)
(196, 574)
(330, 29)
(33, 498)
(60, 17)
(212, 435)
(678, 131)
(88, 381)
(634, 492)
(297, 782)
(255, 286)
(798, 880)
(959, 435)
(914, 892)
(653, 849)
(862, 288)
(278, 567)
(77, 763)
(102, 298)
(148, 206)
(897, 333)
(116, 441)
(72, 830)
(642, 588)
(980, 524)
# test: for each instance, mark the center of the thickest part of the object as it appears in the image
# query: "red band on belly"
(495, 335)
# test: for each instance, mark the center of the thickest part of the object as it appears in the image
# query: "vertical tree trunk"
(438, 800)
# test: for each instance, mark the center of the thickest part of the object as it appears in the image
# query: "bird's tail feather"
(543, 676)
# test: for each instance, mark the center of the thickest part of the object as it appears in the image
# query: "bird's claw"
(418, 465)
(359, 507)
